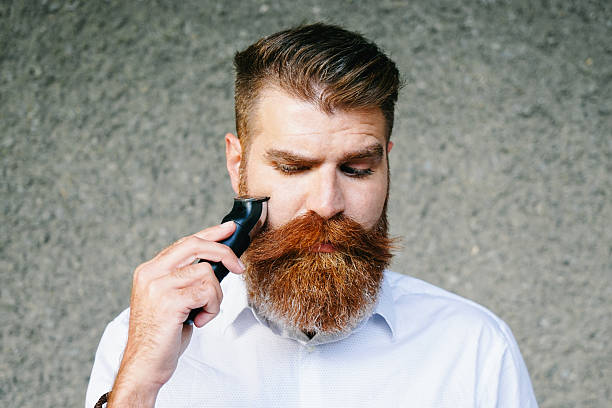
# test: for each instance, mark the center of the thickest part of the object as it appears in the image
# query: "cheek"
(367, 206)
(285, 198)
(281, 208)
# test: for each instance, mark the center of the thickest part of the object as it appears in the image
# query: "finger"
(215, 233)
(203, 317)
(208, 310)
(208, 297)
(204, 292)
(193, 276)
(180, 263)
(194, 249)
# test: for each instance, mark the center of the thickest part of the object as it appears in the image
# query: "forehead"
(280, 120)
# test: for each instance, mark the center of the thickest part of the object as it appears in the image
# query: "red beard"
(291, 282)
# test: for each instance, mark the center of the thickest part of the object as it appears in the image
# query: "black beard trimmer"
(249, 215)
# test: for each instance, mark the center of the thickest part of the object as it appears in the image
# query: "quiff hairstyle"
(326, 65)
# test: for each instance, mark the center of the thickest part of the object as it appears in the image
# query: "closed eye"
(355, 172)
(290, 169)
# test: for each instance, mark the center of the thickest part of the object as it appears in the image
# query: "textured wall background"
(112, 117)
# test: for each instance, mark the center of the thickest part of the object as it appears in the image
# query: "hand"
(164, 291)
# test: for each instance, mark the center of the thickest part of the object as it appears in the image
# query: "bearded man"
(312, 317)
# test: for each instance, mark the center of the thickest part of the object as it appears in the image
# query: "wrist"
(131, 398)
(132, 393)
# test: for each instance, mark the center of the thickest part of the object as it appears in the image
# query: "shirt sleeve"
(108, 357)
(505, 381)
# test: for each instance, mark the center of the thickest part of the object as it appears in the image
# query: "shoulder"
(421, 304)
(463, 337)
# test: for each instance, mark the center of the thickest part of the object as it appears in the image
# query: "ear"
(389, 147)
(233, 158)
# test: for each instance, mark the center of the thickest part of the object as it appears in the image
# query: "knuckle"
(154, 290)
(204, 270)
(209, 291)
(193, 241)
(205, 291)
(140, 273)
(215, 298)
(227, 252)
(198, 296)
(184, 271)
(208, 270)
(199, 270)
(193, 244)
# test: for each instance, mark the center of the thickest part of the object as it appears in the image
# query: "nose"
(326, 197)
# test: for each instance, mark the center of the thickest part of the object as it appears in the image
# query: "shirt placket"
(310, 377)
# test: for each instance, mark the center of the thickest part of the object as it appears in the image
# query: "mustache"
(300, 235)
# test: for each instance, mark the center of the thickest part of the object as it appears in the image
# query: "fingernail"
(241, 264)
(227, 224)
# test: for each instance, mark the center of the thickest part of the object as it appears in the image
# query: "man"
(311, 318)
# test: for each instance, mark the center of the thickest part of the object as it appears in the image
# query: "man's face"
(318, 265)
(307, 160)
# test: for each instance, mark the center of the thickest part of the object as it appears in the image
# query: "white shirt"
(422, 347)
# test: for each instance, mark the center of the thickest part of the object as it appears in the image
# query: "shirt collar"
(236, 305)
(234, 299)
(385, 306)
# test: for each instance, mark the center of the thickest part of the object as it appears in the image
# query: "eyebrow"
(374, 151)
(284, 156)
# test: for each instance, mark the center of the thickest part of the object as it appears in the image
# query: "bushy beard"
(292, 284)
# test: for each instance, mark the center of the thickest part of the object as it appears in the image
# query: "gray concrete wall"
(112, 116)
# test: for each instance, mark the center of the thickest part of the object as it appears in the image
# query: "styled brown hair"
(319, 63)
